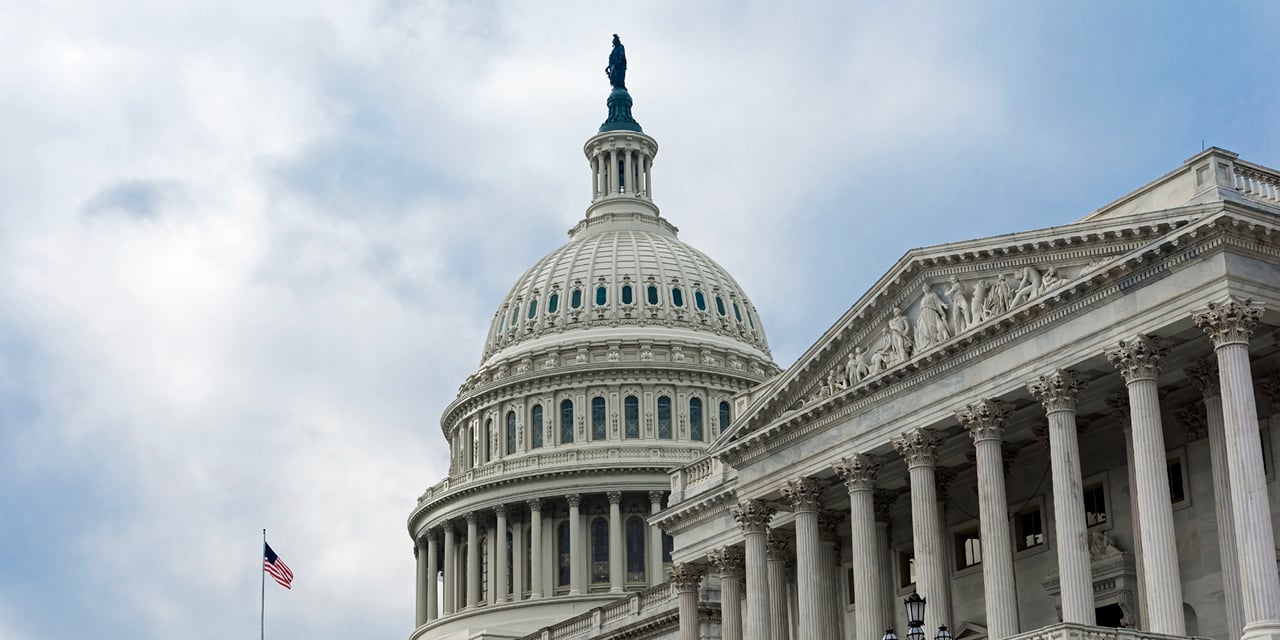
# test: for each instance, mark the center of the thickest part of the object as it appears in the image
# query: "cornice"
(696, 510)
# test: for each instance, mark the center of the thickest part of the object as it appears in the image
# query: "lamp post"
(889, 635)
(942, 633)
(915, 616)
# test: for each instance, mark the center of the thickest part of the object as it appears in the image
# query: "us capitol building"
(1057, 434)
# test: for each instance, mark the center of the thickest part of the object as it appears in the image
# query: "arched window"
(699, 300)
(599, 550)
(724, 416)
(720, 305)
(533, 308)
(677, 297)
(631, 416)
(566, 422)
(553, 303)
(635, 549)
(511, 432)
(602, 295)
(487, 445)
(575, 299)
(535, 438)
(652, 294)
(562, 554)
(664, 417)
(668, 544)
(695, 419)
(626, 294)
(599, 431)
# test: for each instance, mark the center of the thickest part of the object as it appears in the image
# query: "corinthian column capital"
(984, 420)
(1192, 418)
(1058, 390)
(918, 447)
(858, 472)
(752, 515)
(1139, 358)
(615, 497)
(729, 561)
(1204, 375)
(1229, 322)
(777, 546)
(574, 499)
(830, 523)
(804, 494)
(1119, 404)
(685, 576)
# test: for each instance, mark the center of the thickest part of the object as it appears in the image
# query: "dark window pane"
(1030, 529)
(536, 436)
(664, 417)
(968, 547)
(1095, 505)
(553, 303)
(602, 295)
(1177, 492)
(631, 409)
(511, 432)
(736, 312)
(677, 297)
(626, 294)
(668, 544)
(653, 294)
(635, 550)
(575, 299)
(566, 422)
(599, 550)
(695, 419)
(700, 301)
(598, 428)
(533, 308)
(724, 416)
(563, 553)
(720, 305)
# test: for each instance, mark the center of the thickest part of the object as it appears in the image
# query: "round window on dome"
(602, 295)
(677, 297)
(626, 294)
(553, 303)
(652, 294)
(699, 300)
(720, 305)
(533, 308)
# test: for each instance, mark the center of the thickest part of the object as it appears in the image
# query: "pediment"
(939, 299)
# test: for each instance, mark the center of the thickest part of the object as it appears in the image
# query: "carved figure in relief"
(1051, 279)
(978, 303)
(960, 318)
(1029, 281)
(882, 358)
(931, 324)
(855, 368)
(997, 301)
(900, 344)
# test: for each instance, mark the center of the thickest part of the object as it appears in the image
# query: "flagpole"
(262, 610)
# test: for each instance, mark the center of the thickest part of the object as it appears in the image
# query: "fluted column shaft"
(576, 550)
(499, 544)
(1230, 326)
(859, 474)
(685, 579)
(473, 560)
(917, 448)
(517, 559)
(420, 601)
(616, 571)
(656, 575)
(729, 563)
(613, 171)
(753, 518)
(804, 494)
(450, 571)
(831, 606)
(1139, 362)
(1204, 375)
(985, 422)
(778, 554)
(535, 549)
(433, 572)
(630, 178)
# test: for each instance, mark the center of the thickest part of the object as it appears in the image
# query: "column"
(1119, 403)
(648, 177)
(885, 500)
(728, 561)
(420, 602)
(1229, 326)
(600, 177)
(613, 171)
(753, 518)
(616, 570)
(831, 606)
(984, 420)
(804, 495)
(473, 560)
(629, 178)
(859, 474)
(535, 548)
(433, 574)
(656, 574)
(779, 554)
(1138, 360)
(576, 550)
(685, 579)
(918, 448)
(499, 544)
(517, 558)
(1204, 375)
(450, 570)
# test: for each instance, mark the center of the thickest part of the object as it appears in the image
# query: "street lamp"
(889, 635)
(942, 633)
(915, 616)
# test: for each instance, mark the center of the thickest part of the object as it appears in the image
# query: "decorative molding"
(685, 576)
(752, 516)
(729, 561)
(830, 524)
(1193, 419)
(918, 447)
(1229, 322)
(777, 545)
(1058, 390)
(984, 419)
(573, 499)
(1139, 357)
(1203, 373)
(804, 494)
(858, 472)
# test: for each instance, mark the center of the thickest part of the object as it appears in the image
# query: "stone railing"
(1072, 631)
(696, 477)
(1256, 181)
(623, 610)
(552, 460)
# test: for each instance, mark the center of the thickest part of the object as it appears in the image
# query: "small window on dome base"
(553, 303)
(575, 299)
(652, 294)
(602, 296)
(626, 295)
(677, 297)
(700, 301)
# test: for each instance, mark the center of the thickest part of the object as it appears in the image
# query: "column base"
(1264, 630)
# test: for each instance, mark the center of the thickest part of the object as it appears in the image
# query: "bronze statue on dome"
(617, 69)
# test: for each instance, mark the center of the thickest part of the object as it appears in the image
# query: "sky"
(249, 250)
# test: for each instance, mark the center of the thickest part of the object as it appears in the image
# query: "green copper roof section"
(620, 113)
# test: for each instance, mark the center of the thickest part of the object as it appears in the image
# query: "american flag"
(272, 564)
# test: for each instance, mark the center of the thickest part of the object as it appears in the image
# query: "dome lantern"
(620, 154)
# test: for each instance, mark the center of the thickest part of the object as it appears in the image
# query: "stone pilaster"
(1138, 360)
(616, 570)
(918, 448)
(577, 550)
(985, 420)
(1119, 404)
(499, 542)
(1229, 326)
(685, 578)
(535, 548)
(753, 518)
(885, 499)
(433, 573)
(859, 474)
(450, 571)
(830, 523)
(473, 560)
(420, 602)
(1058, 391)
(804, 495)
(779, 553)
(729, 563)
(656, 574)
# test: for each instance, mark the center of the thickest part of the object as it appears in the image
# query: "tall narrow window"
(627, 294)
(553, 303)
(562, 554)
(487, 445)
(677, 297)
(968, 546)
(533, 308)
(535, 438)
(575, 299)
(724, 416)
(602, 295)
(599, 431)
(599, 550)
(664, 417)
(1028, 529)
(720, 305)
(668, 545)
(484, 569)
(1095, 504)
(511, 567)
(737, 313)
(635, 549)
(695, 419)
(652, 294)
(566, 422)
(631, 409)
(511, 432)
(528, 559)
(699, 300)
